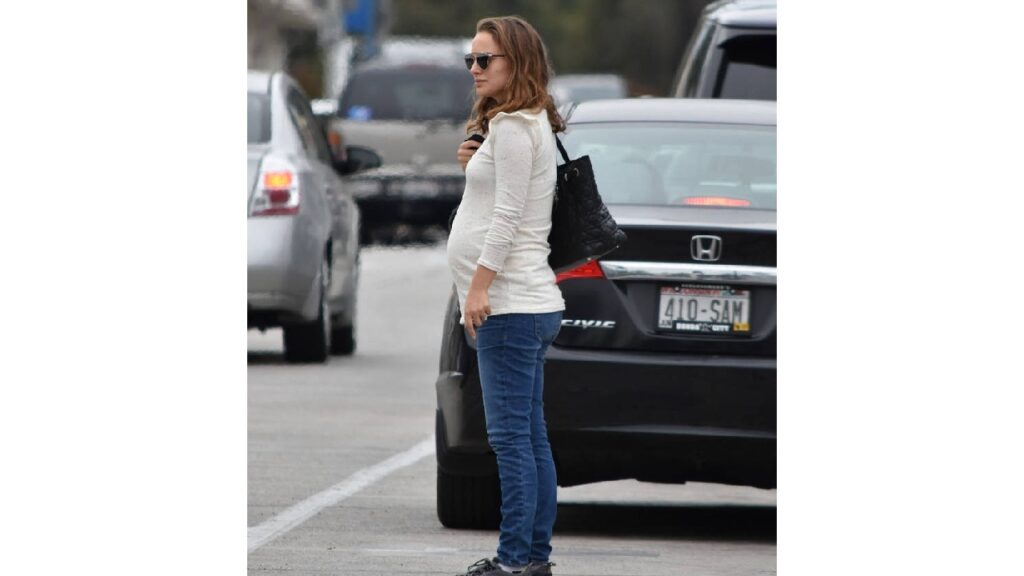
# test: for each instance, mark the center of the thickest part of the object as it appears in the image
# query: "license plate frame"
(733, 302)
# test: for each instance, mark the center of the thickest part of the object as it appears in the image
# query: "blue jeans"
(510, 352)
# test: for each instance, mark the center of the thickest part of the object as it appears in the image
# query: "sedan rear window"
(258, 110)
(413, 93)
(717, 165)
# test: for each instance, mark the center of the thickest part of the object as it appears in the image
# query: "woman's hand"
(478, 308)
(466, 151)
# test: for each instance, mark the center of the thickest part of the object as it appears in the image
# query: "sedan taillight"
(277, 194)
(589, 270)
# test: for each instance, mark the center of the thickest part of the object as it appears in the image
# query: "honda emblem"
(706, 248)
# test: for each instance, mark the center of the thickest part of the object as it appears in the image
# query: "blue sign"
(362, 20)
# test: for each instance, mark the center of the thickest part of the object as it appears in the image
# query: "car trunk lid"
(720, 306)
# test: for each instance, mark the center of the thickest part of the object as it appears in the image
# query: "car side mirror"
(357, 159)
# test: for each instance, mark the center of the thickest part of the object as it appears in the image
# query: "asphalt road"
(342, 476)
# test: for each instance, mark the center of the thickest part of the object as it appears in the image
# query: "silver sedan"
(303, 227)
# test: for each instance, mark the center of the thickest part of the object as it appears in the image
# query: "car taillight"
(276, 195)
(589, 270)
(277, 180)
(716, 201)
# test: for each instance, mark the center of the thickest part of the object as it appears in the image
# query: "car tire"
(311, 342)
(468, 501)
(343, 340)
(465, 501)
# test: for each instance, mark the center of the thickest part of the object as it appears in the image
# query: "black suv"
(731, 54)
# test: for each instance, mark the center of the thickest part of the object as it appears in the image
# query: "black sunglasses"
(482, 59)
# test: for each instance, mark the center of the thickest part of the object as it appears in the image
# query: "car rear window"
(413, 93)
(258, 127)
(719, 165)
(748, 69)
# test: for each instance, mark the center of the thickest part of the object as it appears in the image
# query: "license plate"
(700, 309)
(418, 188)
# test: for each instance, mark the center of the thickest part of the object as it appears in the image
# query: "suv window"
(748, 68)
(731, 54)
(414, 93)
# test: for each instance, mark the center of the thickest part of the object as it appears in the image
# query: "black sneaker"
(489, 567)
(538, 569)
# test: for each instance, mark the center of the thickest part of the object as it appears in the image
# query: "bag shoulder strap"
(561, 149)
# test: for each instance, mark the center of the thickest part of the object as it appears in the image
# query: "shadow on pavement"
(730, 522)
(265, 358)
(403, 235)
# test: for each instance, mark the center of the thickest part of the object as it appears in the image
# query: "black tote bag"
(582, 229)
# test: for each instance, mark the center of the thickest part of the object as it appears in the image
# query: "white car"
(303, 226)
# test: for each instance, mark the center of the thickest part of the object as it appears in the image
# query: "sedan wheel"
(464, 501)
(343, 340)
(468, 501)
(311, 342)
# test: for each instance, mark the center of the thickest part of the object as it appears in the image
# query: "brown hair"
(528, 78)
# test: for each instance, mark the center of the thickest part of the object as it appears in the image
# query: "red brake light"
(279, 195)
(589, 270)
(716, 201)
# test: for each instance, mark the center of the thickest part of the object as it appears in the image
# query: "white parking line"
(299, 513)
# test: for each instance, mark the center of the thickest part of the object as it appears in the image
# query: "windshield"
(677, 163)
(408, 94)
(258, 127)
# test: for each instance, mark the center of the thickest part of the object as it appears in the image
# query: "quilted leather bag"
(582, 229)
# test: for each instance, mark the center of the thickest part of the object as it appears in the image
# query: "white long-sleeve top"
(504, 217)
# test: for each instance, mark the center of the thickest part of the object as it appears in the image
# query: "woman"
(497, 252)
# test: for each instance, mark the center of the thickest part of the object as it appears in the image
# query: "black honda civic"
(665, 366)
